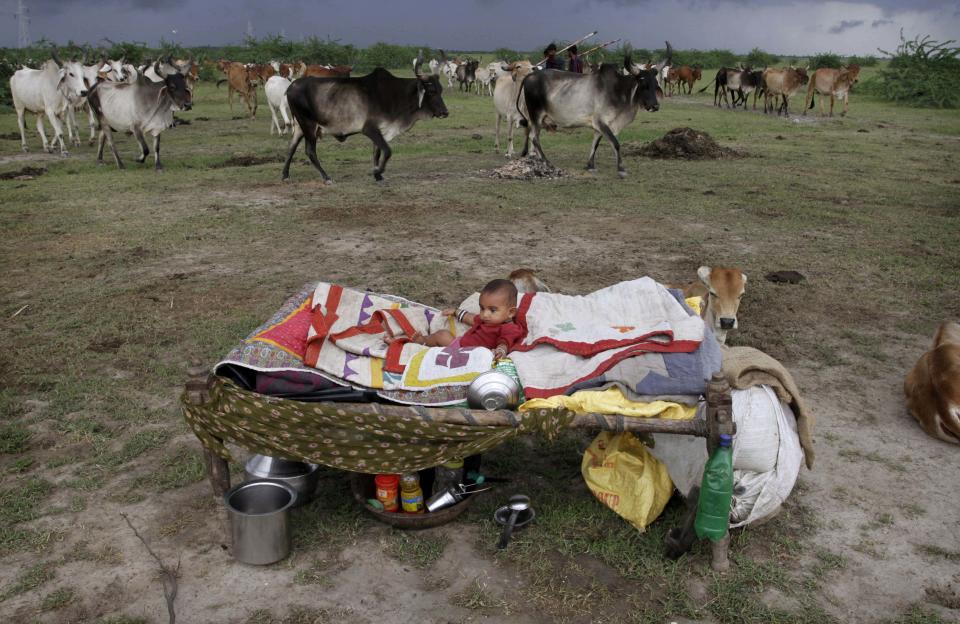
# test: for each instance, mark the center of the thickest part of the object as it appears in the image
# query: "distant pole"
(23, 20)
(250, 29)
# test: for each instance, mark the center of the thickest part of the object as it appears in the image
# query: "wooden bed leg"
(218, 472)
(719, 421)
(718, 554)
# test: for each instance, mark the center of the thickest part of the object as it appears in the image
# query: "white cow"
(449, 69)
(276, 89)
(46, 91)
(166, 67)
(505, 99)
(484, 80)
(434, 67)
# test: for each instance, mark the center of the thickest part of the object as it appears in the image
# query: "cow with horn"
(141, 107)
(606, 101)
(378, 105)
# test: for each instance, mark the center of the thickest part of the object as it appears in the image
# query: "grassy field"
(115, 280)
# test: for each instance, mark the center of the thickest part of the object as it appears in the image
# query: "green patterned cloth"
(335, 435)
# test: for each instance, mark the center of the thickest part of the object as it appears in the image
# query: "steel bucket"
(259, 513)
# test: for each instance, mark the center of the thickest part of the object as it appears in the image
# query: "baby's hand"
(448, 311)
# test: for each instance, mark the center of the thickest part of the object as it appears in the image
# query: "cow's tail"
(813, 98)
(523, 118)
(705, 87)
(93, 98)
(219, 82)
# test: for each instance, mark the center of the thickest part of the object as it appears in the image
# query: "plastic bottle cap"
(725, 439)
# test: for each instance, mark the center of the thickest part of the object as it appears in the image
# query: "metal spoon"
(517, 503)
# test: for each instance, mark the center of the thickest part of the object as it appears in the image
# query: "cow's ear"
(421, 91)
(744, 277)
(704, 274)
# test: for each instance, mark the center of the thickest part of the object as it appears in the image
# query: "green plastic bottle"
(716, 493)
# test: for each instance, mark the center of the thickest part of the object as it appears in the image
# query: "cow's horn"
(443, 56)
(157, 70)
(55, 57)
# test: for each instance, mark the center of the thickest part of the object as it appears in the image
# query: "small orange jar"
(387, 490)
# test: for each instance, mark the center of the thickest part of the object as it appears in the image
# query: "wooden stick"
(168, 575)
(568, 47)
(595, 48)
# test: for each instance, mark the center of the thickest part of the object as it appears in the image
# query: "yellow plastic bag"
(625, 477)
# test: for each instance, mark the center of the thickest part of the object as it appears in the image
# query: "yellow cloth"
(612, 401)
(625, 477)
(695, 304)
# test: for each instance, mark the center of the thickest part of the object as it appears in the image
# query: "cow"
(687, 75)
(833, 82)
(526, 281)
(505, 99)
(605, 101)
(782, 83)
(46, 91)
(751, 81)
(484, 80)
(326, 71)
(670, 80)
(263, 71)
(166, 66)
(434, 65)
(142, 107)
(243, 80)
(932, 387)
(722, 289)
(379, 105)
(466, 75)
(276, 90)
(190, 70)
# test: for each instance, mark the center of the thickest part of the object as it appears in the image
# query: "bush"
(757, 58)
(826, 59)
(922, 72)
(863, 61)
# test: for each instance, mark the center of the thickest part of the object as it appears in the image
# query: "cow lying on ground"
(605, 101)
(833, 82)
(933, 386)
(722, 289)
(379, 105)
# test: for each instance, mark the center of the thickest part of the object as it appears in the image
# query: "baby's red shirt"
(490, 336)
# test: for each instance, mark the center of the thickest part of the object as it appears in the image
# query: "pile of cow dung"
(246, 161)
(527, 168)
(685, 144)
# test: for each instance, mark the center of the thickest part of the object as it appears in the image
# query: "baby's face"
(495, 309)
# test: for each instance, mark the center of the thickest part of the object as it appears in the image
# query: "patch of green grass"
(17, 539)
(20, 465)
(420, 550)
(933, 550)
(14, 438)
(301, 615)
(912, 511)
(139, 443)
(22, 501)
(917, 614)
(58, 599)
(180, 469)
(331, 521)
(122, 619)
(31, 579)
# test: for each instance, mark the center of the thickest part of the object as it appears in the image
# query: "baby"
(492, 328)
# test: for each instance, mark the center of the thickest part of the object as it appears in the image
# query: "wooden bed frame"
(717, 420)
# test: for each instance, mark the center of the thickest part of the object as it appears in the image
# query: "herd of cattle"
(312, 100)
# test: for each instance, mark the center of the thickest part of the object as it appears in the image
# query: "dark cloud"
(880, 22)
(844, 25)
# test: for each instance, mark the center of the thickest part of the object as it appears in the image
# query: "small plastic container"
(411, 495)
(449, 473)
(387, 489)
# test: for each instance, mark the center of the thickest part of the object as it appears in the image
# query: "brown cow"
(782, 83)
(687, 75)
(242, 79)
(933, 386)
(833, 82)
(263, 71)
(326, 71)
(722, 288)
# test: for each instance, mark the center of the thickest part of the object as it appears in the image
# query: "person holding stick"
(551, 61)
(574, 64)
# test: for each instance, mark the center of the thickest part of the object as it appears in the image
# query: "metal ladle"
(517, 503)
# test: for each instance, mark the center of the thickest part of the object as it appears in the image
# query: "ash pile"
(527, 168)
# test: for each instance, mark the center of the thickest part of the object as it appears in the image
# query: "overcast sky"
(784, 26)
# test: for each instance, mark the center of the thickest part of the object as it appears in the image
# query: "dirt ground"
(180, 265)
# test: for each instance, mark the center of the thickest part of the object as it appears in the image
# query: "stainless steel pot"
(493, 390)
(260, 520)
(301, 476)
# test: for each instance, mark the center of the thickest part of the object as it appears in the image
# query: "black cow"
(606, 101)
(751, 81)
(467, 75)
(379, 105)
